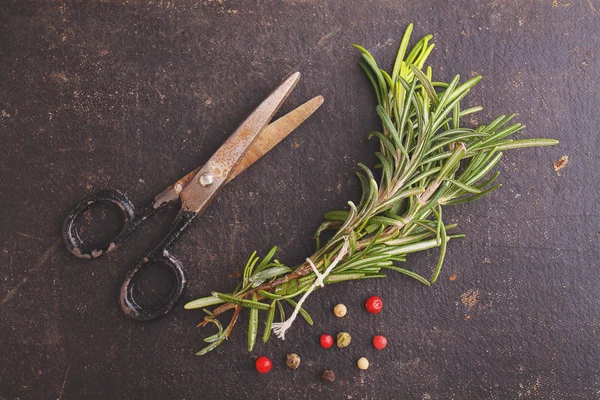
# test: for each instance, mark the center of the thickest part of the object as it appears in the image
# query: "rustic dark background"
(132, 94)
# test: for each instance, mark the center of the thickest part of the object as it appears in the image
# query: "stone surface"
(131, 95)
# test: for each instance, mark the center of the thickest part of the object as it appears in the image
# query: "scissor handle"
(160, 254)
(131, 221)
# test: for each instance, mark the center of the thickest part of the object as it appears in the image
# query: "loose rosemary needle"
(427, 159)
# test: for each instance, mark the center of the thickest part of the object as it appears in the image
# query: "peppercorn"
(292, 360)
(343, 339)
(379, 342)
(263, 365)
(326, 341)
(328, 376)
(340, 310)
(374, 304)
(363, 363)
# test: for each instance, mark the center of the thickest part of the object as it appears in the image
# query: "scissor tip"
(294, 77)
(289, 82)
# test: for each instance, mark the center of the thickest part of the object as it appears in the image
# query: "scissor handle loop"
(160, 254)
(126, 299)
(71, 237)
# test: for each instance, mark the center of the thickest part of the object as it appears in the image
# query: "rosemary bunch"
(428, 159)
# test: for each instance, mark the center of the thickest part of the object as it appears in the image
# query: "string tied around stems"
(279, 328)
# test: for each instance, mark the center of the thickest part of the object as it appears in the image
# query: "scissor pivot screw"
(206, 179)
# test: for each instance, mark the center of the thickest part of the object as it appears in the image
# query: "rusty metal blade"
(268, 138)
(275, 133)
(205, 185)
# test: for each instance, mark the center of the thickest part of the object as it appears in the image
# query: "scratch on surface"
(591, 5)
(167, 157)
(59, 77)
(325, 37)
(13, 291)
(541, 94)
(29, 236)
(552, 249)
(62, 388)
(39, 263)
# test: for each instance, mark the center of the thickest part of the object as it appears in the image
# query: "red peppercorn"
(379, 342)
(263, 365)
(374, 304)
(326, 341)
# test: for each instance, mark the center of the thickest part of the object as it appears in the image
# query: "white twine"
(281, 327)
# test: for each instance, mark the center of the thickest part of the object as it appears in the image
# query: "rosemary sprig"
(428, 159)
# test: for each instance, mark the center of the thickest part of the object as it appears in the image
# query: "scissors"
(250, 141)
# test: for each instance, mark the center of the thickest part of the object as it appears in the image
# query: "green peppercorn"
(343, 339)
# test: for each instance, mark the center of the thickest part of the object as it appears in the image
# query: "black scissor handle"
(71, 237)
(160, 254)
(128, 304)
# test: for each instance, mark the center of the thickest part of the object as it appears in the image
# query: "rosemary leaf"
(302, 311)
(241, 302)
(281, 311)
(464, 186)
(521, 144)
(203, 302)
(266, 274)
(252, 325)
(211, 346)
(269, 322)
(409, 273)
(265, 261)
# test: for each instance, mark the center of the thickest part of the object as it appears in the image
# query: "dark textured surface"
(131, 95)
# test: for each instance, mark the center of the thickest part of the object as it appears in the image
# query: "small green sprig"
(428, 159)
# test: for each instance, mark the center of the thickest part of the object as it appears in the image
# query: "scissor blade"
(268, 138)
(207, 182)
(275, 133)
